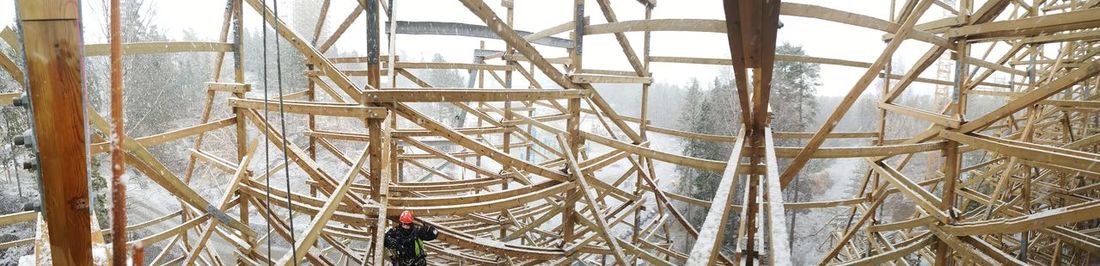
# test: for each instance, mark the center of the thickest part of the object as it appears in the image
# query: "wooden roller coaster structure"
(1034, 198)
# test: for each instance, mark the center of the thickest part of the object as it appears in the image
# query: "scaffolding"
(1030, 200)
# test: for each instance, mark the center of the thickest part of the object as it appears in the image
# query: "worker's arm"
(427, 233)
(391, 241)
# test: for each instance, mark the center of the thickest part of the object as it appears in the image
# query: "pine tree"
(717, 112)
(794, 98)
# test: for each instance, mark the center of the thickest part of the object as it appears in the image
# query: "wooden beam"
(380, 149)
(229, 87)
(924, 199)
(898, 252)
(857, 90)
(514, 40)
(778, 244)
(469, 95)
(1032, 152)
(14, 70)
(631, 56)
(319, 221)
(159, 48)
(706, 246)
(934, 118)
(18, 217)
(240, 174)
(138, 156)
(54, 52)
(314, 108)
(1073, 20)
(583, 187)
(589, 78)
(172, 135)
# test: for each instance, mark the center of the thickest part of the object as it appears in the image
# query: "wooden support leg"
(54, 61)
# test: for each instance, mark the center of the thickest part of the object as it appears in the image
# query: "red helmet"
(406, 217)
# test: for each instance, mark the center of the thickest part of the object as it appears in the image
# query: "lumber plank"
(713, 229)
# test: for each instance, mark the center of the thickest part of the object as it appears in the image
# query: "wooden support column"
(53, 55)
(642, 128)
(951, 162)
(238, 77)
(379, 150)
(951, 175)
(574, 139)
(373, 34)
(238, 74)
(510, 5)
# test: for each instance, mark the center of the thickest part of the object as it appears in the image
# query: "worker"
(405, 241)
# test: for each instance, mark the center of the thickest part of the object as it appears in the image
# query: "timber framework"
(1032, 198)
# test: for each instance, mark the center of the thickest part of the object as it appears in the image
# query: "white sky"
(818, 38)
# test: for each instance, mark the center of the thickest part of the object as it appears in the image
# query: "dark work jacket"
(406, 246)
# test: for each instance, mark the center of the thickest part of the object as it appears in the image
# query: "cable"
(282, 122)
(267, 160)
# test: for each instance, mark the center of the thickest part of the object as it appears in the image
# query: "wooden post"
(507, 139)
(642, 129)
(574, 139)
(379, 150)
(373, 34)
(951, 163)
(238, 73)
(54, 61)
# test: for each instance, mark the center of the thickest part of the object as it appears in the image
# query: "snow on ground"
(811, 233)
(11, 202)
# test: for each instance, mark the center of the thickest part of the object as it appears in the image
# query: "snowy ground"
(11, 202)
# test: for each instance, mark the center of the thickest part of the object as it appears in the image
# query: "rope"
(282, 122)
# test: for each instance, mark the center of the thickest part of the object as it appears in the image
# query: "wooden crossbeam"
(469, 95)
(1080, 19)
(589, 78)
(229, 87)
(159, 48)
(172, 135)
(935, 118)
(1032, 152)
(314, 108)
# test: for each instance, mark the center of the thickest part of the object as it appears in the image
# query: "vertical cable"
(282, 124)
(267, 160)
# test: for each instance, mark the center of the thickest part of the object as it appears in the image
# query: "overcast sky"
(818, 38)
